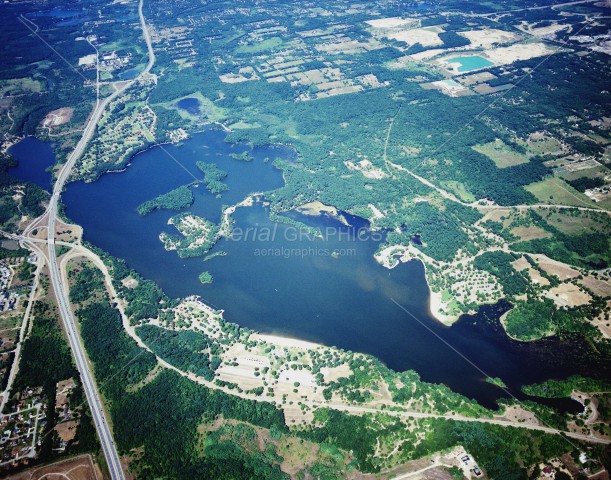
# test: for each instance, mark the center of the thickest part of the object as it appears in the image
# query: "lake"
(35, 158)
(275, 281)
(190, 105)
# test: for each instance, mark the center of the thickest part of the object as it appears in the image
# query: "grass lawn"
(9, 322)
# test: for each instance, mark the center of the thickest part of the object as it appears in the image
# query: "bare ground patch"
(568, 295)
(553, 267)
(489, 36)
(78, 468)
(599, 287)
(58, 117)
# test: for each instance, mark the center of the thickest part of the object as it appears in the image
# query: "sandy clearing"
(304, 377)
(58, 117)
(537, 278)
(391, 22)
(518, 414)
(599, 287)
(246, 74)
(388, 256)
(543, 31)
(567, 295)
(316, 208)
(448, 87)
(66, 430)
(487, 37)
(285, 341)
(438, 307)
(519, 51)
(294, 414)
(367, 169)
(522, 264)
(332, 374)
(87, 60)
(424, 36)
(377, 214)
(553, 267)
(245, 379)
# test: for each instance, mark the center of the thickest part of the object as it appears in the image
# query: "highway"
(97, 412)
(93, 397)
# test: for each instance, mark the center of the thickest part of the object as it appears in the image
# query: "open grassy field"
(459, 189)
(501, 154)
(597, 171)
(16, 86)
(264, 46)
(576, 222)
(540, 143)
(557, 191)
(8, 322)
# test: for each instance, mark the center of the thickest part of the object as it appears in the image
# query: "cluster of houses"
(8, 299)
(20, 430)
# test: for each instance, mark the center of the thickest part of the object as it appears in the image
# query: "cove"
(329, 290)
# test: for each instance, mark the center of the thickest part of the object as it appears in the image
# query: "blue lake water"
(273, 282)
(131, 73)
(190, 105)
(35, 157)
(470, 63)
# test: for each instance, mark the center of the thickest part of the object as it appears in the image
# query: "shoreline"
(389, 258)
(393, 255)
(283, 341)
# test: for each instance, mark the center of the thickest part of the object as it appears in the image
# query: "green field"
(8, 322)
(264, 46)
(459, 190)
(557, 191)
(501, 154)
